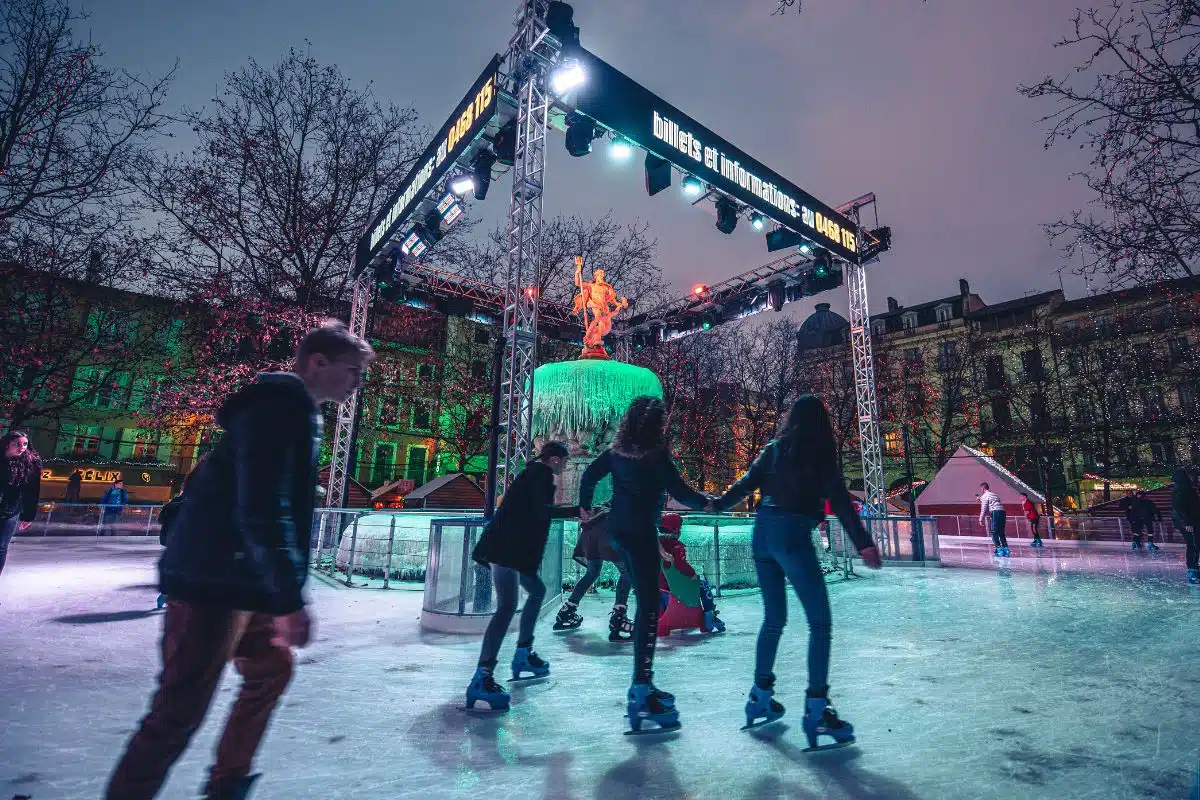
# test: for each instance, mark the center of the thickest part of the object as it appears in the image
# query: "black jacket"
(1185, 506)
(799, 494)
(241, 539)
(19, 497)
(640, 488)
(516, 536)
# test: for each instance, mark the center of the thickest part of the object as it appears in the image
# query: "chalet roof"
(426, 489)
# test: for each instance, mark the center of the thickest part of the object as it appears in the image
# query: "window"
(1128, 455)
(420, 417)
(948, 356)
(1118, 405)
(478, 370)
(914, 397)
(1152, 401)
(1072, 364)
(415, 468)
(482, 336)
(1162, 453)
(1083, 409)
(912, 356)
(143, 393)
(879, 327)
(1031, 366)
(384, 463)
(1187, 397)
(1001, 414)
(1039, 415)
(79, 441)
(145, 446)
(909, 320)
(1177, 348)
(994, 368)
(893, 444)
(425, 372)
(944, 312)
(389, 410)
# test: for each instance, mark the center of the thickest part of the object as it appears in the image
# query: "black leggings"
(594, 566)
(640, 550)
(1193, 551)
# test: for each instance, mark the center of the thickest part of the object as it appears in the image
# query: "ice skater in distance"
(512, 545)
(642, 474)
(992, 514)
(796, 473)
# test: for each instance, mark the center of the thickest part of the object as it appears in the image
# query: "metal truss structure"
(343, 439)
(869, 436)
(532, 53)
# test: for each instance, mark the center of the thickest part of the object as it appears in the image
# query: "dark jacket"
(799, 493)
(640, 488)
(115, 498)
(594, 543)
(516, 536)
(1185, 506)
(1143, 510)
(19, 497)
(241, 539)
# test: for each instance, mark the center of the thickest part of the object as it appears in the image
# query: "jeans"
(1138, 528)
(109, 520)
(999, 520)
(197, 641)
(1034, 525)
(1192, 555)
(506, 580)
(782, 548)
(8, 529)
(592, 573)
(640, 551)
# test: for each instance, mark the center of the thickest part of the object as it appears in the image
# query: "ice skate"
(713, 623)
(762, 708)
(525, 660)
(1037, 543)
(1137, 545)
(1007, 553)
(238, 791)
(999, 551)
(568, 617)
(820, 719)
(484, 687)
(620, 627)
(1193, 576)
(160, 602)
(1151, 546)
(645, 704)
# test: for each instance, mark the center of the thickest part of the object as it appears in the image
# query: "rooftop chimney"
(893, 305)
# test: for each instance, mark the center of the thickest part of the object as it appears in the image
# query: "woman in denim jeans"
(796, 473)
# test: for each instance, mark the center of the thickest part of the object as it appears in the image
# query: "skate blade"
(660, 730)
(484, 712)
(527, 679)
(822, 748)
(567, 627)
(761, 723)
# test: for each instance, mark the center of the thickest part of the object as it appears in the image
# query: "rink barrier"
(1077, 527)
(56, 518)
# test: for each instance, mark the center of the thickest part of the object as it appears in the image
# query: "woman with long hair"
(20, 483)
(642, 475)
(796, 474)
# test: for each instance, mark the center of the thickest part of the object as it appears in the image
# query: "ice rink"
(961, 683)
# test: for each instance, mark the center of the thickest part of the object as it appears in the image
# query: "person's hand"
(586, 514)
(295, 629)
(871, 557)
(23, 526)
(665, 556)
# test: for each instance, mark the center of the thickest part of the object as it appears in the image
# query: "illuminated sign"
(450, 209)
(413, 245)
(89, 475)
(467, 122)
(619, 103)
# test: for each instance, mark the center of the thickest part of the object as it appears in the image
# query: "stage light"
(658, 174)
(776, 295)
(758, 221)
(504, 143)
(580, 133)
(620, 149)
(462, 184)
(531, 292)
(692, 186)
(481, 170)
(700, 289)
(706, 324)
(450, 209)
(414, 244)
(805, 248)
(821, 265)
(727, 215)
(567, 77)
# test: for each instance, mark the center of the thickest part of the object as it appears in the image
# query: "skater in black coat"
(20, 484)
(1185, 512)
(642, 476)
(512, 545)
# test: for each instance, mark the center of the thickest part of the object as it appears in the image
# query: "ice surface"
(961, 684)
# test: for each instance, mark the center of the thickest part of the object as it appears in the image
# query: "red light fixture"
(700, 290)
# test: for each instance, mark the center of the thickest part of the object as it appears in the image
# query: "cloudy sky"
(914, 101)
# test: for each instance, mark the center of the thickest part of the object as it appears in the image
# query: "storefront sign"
(89, 475)
(467, 122)
(621, 104)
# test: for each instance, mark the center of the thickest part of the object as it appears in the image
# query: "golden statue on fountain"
(598, 297)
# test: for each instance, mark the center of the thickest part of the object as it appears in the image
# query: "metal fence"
(92, 519)
(1069, 527)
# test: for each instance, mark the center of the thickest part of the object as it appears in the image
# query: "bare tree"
(292, 163)
(830, 376)
(759, 364)
(1133, 103)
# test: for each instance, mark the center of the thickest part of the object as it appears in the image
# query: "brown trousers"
(197, 641)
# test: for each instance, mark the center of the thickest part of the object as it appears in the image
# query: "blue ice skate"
(1006, 552)
(525, 660)
(1151, 546)
(762, 708)
(645, 704)
(820, 719)
(713, 622)
(238, 790)
(484, 687)
(1193, 576)
(999, 551)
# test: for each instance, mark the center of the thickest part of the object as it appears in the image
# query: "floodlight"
(806, 248)
(727, 215)
(481, 170)
(620, 149)
(431, 227)
(692, 186)
(700, 289)
(758, 222)
(462, 184)
(504, 143)
(560, 20)
(567, 77)
(580, 133)
(821, 265)
(658, 174)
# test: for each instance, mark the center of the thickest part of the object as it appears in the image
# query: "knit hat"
(671, 523)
